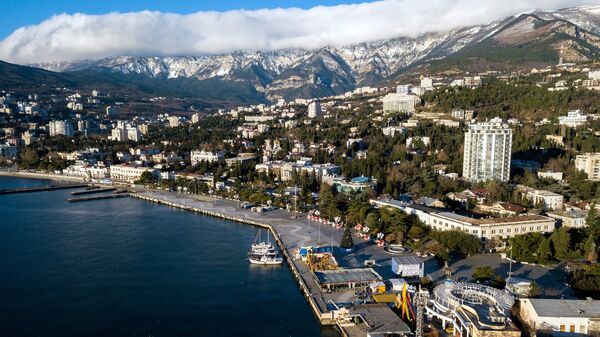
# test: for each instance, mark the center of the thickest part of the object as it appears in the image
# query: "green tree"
(561, 243)
(483, 274)
(544, 251)
(347, 241)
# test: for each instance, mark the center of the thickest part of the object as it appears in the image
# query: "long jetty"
(324, 316)
(99, 197)
(93, 191)
(40, 188)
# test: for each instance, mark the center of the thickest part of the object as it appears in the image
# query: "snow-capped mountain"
(331, 70)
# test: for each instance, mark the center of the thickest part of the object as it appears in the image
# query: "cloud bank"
(79, 36)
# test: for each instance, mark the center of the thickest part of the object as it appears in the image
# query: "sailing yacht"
(263, 252)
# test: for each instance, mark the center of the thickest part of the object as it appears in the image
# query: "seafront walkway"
(294, 231)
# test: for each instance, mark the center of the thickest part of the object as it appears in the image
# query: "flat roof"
(345, 276)
(380, 319)
(495, 221)
(407, 259)
(548, 307)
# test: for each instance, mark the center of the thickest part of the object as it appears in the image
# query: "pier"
(40, 188)
(94, 190)
(99, 197)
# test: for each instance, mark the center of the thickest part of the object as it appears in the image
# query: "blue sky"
(18, 13)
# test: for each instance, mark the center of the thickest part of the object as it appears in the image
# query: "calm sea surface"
(124, 267)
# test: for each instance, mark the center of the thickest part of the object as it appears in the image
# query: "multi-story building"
(487, 151)
(594, 75)
(573, 119)
(483, 228)
(133, 133)
(8, 151)
(400, 103)
(64, 128)
(127, 173)
(286, 170)
(196, 118)
(590, 164)
(549, 200)
(427, 83)
(391, 131)
(112, 111)
(314, 109)
(196, 157)
(173, 121)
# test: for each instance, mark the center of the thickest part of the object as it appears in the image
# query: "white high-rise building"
(196, 118)
(487, 151)
(314, 109)
(173, 121)
(133, 133)
(400, 103)
(64, 128)
(590, 164)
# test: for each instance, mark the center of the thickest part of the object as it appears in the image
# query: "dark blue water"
(125, 267)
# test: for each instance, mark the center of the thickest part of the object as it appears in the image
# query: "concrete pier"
(93, 191)
(40, 188)
(99, 197)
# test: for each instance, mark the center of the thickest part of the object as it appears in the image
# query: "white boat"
(263, 252)
(266, 260)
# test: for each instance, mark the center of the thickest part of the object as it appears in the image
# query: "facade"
(197, 157)
(561, 317)
(173, 121)
(590, 164)
(8, 151)
(573, 218)
(64, 128)
(427, 83)
(483, 228)
(285, 170)
(314, 109)
(573, 119)
(400, 103)
(126, 173)
(549, 200)
(557, 176)
(391, 131)
(487, 151)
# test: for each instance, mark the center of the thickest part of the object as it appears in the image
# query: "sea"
(125, 267)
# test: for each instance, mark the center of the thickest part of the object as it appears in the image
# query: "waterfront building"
(561, 317)
(64, 128)
(127, 173)
(357, 184)
(8, 151)
(590, 164)
(314, 109)
(484, 228)
(473, 309)
(573, 119)
(487, 151)
(196, 157)
(400, 103)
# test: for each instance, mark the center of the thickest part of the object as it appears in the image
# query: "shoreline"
(39, 175)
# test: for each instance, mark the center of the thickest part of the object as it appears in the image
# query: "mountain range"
(536, 37)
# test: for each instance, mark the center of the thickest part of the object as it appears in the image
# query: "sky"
(36, 31)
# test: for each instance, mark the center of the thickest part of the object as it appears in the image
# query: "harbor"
(292, 232)
(40, 188)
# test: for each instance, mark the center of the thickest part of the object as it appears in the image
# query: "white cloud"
(79, 36)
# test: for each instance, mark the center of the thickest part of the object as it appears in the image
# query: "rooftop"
(547, 307)
(380, 319)
(345, 276)
(407, 259)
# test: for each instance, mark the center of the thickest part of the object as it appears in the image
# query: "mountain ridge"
(292, 73)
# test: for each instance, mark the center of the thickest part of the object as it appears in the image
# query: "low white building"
(128, 174)
(557, 176)
(573, 119)
(561, 317)
(196, 157)
(391, 131)
(549, 200)
(573, 218)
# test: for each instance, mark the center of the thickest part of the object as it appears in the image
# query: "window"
(572, 328)
(562, 328)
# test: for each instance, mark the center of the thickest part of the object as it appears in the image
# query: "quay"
(94, 190)
(290, 232)
(99, 197)
(40, 188)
